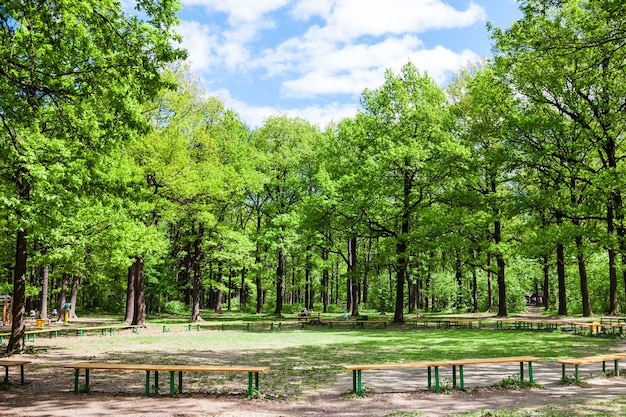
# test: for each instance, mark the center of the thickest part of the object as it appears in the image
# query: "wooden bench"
(355, 323)
(253, 373)
(615, 357)
(357, 369)
(11, 363)
(107, 330)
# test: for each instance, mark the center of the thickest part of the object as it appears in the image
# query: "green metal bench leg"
(437, 386)
(22, 374)
(429, 378)
(249, 384)
(256, 381)
(604, 367)
(354, 381)
(562, 372)
(156, 381)
(147, 382)
(530, 373)
(461, 377)
(576, 372)
(616, 367)
(453, 376)
(180, 382)
(87, 380)
(76, 380)
(359, 383)
(521, 371)
(172, 384)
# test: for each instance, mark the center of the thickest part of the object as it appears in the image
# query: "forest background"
(126, 189)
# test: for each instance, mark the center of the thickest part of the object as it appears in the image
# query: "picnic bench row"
(357, 379)
(80, 331)
(357, 370)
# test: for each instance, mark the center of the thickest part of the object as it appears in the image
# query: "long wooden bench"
(615, 357)
(253, 373)
(12, 363)
(356, 323)
(357, 369)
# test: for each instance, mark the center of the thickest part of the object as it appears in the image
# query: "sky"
(314, 58)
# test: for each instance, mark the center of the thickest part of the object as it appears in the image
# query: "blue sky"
(314, 58)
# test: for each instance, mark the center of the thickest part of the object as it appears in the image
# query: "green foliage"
(515, 382)
(176, 308)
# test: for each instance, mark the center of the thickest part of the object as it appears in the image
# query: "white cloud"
(255, 116)
(239, 11)
(360, 39)
(350, 19)
(347, 49)
(199, 41)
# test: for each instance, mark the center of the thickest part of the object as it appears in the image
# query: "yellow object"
(40, 323)
(66, 319)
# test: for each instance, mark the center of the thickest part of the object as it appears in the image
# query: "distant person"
(304, 312)
(32, 314)
(345, 316)
(54, 313)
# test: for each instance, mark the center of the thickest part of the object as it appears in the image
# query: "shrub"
(177, 308)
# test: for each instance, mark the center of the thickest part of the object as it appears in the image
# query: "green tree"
(568, 55)
(404, 143)
(72, 75)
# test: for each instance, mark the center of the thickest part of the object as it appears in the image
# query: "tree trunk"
(546, 282)
(258, 281)
(197, 276)
(243, 291)
(18, 324)
(458, 275)
(219, 293)
(139, 317)
(280, 281)
(560, 271)
(398, 316)
(325, 280)
(130, 294)
(502, 307)
(353, 259)
(43, 309)
(74, 296)
(489, 284)
(582, 271)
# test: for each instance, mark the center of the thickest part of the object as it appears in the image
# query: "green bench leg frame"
(453, 376)
(76, 375)
(173, 385)
(461, 377)
(148, 382)
(357, 386)
(256, 382)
